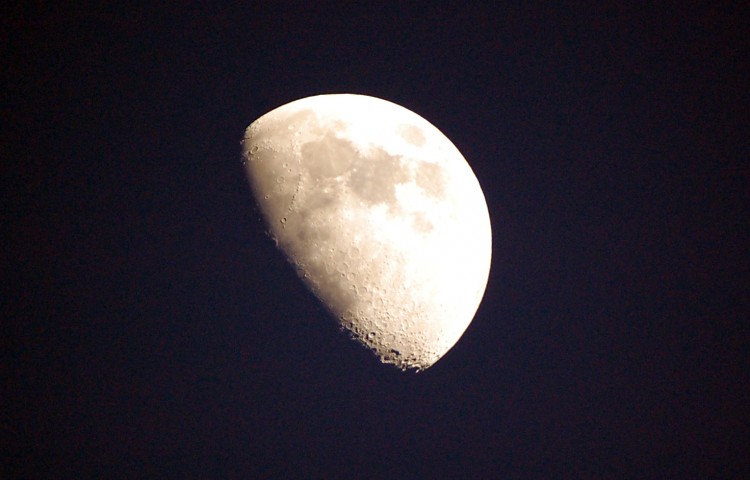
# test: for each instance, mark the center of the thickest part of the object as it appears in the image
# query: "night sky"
(150, 329)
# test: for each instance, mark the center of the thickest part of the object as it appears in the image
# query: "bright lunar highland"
(380, 214)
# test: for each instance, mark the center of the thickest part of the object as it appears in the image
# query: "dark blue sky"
(151, 330)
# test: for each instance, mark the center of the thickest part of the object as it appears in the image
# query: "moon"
(382, 217)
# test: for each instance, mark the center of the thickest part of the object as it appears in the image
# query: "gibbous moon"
(380, 214)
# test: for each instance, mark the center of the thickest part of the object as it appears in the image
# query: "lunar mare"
(380, 214)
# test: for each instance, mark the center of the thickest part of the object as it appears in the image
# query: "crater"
(421, 223)
(429, 177)
(375, 177)
(328, 157)
(306, 118)
(412, 134)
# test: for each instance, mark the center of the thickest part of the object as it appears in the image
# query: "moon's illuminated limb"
(382, 216)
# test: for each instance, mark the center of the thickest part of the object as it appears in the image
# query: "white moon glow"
(381, 215)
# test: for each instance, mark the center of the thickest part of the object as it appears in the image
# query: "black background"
(151, 330)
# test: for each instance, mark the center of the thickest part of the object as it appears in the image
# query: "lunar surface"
(380, 214)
